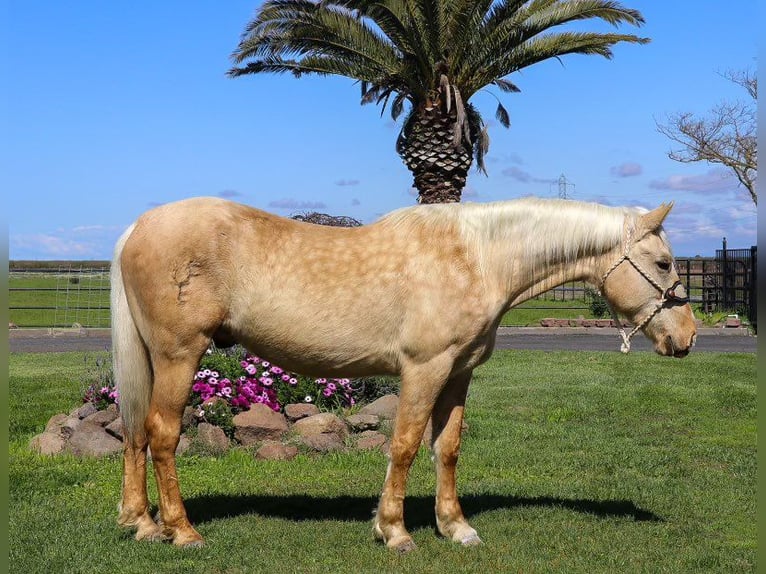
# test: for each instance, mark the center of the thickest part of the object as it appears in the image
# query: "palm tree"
(428, 57)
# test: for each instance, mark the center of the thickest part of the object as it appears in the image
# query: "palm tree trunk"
(439, 168)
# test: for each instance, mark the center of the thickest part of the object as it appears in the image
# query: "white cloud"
(43, 245)
(714, 181)
(290, 203)
(524, 177)
(347, 182)
(627, 169)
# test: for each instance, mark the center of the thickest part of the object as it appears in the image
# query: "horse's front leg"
(420, 386)
(445, 443)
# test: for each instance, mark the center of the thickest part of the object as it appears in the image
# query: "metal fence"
(63, 296)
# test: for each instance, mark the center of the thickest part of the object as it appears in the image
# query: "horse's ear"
(651, 221)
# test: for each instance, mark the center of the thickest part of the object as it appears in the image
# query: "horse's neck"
(527, 266)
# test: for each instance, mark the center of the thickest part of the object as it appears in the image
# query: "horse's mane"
(546, 231)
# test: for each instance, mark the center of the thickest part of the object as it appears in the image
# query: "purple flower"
(276, 370)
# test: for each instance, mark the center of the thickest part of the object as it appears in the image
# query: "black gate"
(734, 286)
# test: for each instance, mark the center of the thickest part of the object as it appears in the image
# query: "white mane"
(543, 231)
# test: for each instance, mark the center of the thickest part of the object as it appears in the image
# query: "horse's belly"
(317, 353)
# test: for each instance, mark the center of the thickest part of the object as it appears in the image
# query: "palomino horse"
(419, 294)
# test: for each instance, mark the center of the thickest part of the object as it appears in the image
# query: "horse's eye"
(664, 265)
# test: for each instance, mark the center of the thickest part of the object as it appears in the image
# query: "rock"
(360, 422)
(604, 323)
(102, 418)
(83, 411)
(70, 425)
(732, 322)
(90, 439)
(47, 443)
(561, 322)
(115, 428)
(548, 322)
(213, 438)
(273, 450)
(370, 439)
(323, 423)
(297, 411)
(55, 423)
(188, 419)
(183, 445)
(259, 423)
(325, 442)
(384, 407)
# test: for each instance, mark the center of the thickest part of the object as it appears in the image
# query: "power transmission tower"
(563, 184)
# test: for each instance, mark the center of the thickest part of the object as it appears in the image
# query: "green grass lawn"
(573, 462)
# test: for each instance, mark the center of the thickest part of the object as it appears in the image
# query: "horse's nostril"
(680, 353)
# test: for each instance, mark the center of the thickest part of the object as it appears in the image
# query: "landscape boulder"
(89, 439)
(258, 424)
(274, 450)
(47, 443)
(212, 438)
(297, 411)
(323, 423)
(384, 407)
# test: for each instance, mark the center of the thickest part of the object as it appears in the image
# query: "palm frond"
(502, 116)
(505, 85)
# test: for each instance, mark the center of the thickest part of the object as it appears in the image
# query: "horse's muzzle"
(671, 348)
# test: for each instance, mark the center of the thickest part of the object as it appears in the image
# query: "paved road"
(539, 339)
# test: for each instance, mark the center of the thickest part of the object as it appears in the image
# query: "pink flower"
(293, 381)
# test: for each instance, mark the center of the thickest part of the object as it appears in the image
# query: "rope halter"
(676, 293)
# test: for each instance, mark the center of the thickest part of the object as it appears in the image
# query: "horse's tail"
(132, 369)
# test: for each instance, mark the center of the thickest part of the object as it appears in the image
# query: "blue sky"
(115, 107)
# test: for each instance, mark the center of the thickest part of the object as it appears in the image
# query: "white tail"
(132, 368)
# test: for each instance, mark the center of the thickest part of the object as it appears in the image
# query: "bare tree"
(727, 137)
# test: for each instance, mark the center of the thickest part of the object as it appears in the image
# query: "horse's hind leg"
(447, 425)
(172, 383)
(134, 507)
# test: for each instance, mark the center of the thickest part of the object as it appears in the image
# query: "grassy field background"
(573, 462)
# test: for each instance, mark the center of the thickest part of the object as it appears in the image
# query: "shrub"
(596, 303)
(100, 388)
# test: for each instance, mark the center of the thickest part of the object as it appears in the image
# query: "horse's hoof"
(151, 536)
(404, 547)
(472, 540)
(188, 539)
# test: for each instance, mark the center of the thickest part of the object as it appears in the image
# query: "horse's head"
(641, 282)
